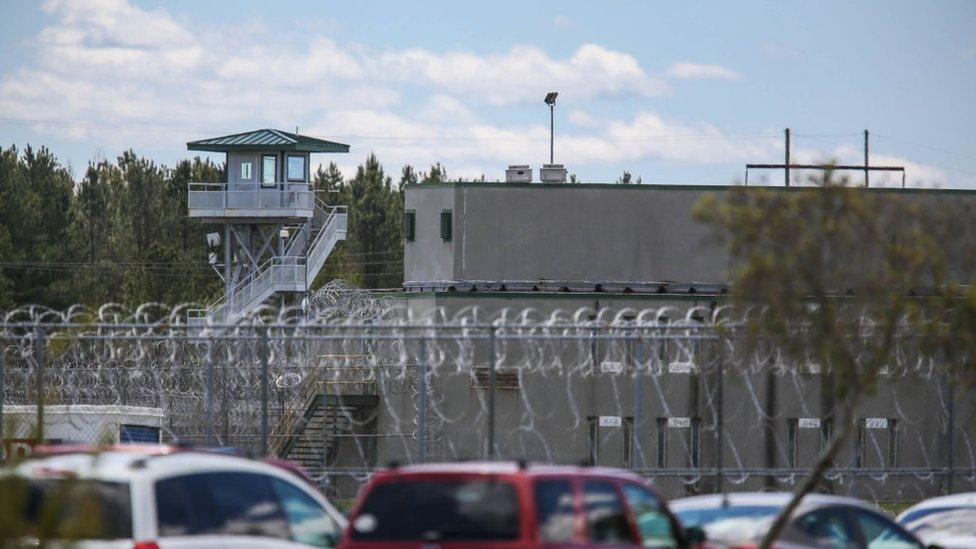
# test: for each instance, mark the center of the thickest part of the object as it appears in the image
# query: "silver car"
(947, 521)
(739, 520)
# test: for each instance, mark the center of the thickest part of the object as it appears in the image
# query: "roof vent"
(518, 173)
(552, 173)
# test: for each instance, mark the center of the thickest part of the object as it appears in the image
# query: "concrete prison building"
(605, 253)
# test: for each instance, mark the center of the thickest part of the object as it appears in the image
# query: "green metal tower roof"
(264, 140)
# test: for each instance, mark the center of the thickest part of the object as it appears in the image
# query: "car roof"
(508, 468)
(776, 499)
(124, 465)
(966, 499)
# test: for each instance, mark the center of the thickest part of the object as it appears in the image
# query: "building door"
(678, 443)
(610, 440)
(806, 438)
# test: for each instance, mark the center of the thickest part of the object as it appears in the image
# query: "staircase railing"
(258, 286)
(298, 267)
(331, 232)
(284, 432)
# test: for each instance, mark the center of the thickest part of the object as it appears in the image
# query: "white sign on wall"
(876, 422)
(681, 368)
(610, 421)
(611, 367)
(679, 422)
(808, 422)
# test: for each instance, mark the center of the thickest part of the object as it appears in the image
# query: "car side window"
(606, 519)
(881, 533)
(231, 503)
(653, 522)
(310, 522)
(828, 527)
(554, 507)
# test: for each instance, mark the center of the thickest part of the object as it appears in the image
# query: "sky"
(673, 92)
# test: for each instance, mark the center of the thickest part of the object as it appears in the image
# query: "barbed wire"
(355, 379)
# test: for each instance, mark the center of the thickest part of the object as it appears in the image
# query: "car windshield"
(954, 520)
(731, 522)
(69, 509)
(434, 510)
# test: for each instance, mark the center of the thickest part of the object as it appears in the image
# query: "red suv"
(511, 505)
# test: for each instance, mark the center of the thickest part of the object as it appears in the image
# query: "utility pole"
(552, 130)
(787, 163)
(551, 101)
(866, 168)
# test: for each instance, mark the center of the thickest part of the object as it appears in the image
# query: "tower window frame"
(247, 170)
(269, 163)
(296, 178)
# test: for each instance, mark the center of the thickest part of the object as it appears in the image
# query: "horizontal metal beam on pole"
(860, 168)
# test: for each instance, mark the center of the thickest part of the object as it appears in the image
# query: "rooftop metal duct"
(518, 173)
(552, 173)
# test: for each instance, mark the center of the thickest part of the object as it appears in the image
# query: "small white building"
(80, 424)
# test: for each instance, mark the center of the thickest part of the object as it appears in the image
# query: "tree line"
(122, 235)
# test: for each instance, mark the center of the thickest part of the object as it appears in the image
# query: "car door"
(878, 532)
(309, 523)
(605, 514)
(221, 509)
(655, 526)
(555, 511)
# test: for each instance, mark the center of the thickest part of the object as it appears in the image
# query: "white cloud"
(608, 142)
(111, 64)
(448, 110)
(583, 119)
(689, 70)
(523, 74)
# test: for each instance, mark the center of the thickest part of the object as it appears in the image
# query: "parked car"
(947, 521)
(739, 520)
(162, 497)
(509, 505)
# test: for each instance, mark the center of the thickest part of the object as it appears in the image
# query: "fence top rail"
(487, 326)
(495, 329)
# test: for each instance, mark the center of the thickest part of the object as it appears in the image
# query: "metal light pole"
(551, 101)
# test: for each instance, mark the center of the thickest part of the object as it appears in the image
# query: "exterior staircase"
(332, 422)
(306, 250)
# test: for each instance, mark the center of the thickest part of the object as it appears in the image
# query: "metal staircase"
(332, 421)
(306, 250)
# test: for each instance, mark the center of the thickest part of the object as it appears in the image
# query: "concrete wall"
(640, 233)
(429, 257)
(548, 418)
(562, 232)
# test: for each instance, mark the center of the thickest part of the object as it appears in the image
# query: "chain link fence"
(677, 401)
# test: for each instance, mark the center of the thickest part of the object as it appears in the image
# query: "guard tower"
(275, 232)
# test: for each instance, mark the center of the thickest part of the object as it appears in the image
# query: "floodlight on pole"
(551, 101)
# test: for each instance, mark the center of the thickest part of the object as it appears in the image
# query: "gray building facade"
(662, 405)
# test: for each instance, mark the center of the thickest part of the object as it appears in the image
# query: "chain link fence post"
(636, 449)
(39, 380)
(720, 418)
(3, 394)
(492, 359)
(264, 352)
(422, 402)
(209, 392)
(950, 428)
